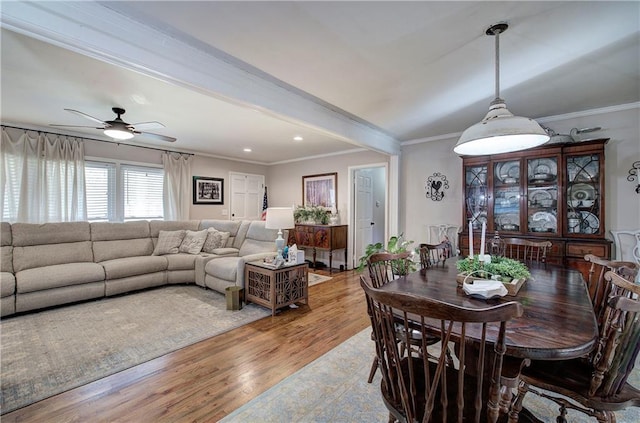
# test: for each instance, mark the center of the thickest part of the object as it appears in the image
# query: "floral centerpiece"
(510, 272)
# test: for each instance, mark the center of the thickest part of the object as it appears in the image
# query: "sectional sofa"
(49, 264)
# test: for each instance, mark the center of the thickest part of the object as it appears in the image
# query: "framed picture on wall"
(208, 190)
(320, 190)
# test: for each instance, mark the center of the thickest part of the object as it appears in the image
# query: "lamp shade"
(500, 132)
(279, 218)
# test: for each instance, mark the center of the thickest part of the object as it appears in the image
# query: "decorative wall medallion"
(634, 176)
(435, 186)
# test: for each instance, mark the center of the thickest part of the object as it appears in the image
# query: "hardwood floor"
(206, 381)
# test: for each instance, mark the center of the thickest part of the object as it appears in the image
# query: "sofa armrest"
(200, 263)
(247, 259)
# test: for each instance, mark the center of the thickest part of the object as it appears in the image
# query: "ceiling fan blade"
(147, 125)
(84, 115)
(74, 126)
(157, 136)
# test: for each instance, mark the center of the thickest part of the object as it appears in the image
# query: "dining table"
(557, 323)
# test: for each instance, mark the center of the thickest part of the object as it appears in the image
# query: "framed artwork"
(208, 190)
(320, 190)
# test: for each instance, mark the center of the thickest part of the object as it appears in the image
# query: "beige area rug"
(49, 352)
(334, 388)
(315, 279)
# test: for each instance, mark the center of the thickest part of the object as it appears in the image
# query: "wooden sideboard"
(320, 237)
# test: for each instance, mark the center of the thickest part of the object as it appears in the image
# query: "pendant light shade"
(500, 131)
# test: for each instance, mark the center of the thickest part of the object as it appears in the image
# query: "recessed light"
(298, 138)
(247, 150)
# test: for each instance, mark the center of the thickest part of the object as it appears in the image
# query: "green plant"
(315, 213)
(506, 268)
(396, 244)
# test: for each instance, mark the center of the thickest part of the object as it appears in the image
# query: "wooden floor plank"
(208, 380)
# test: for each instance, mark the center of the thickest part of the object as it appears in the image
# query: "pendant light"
(500, 131)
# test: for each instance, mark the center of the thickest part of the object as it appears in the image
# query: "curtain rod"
(95, 139)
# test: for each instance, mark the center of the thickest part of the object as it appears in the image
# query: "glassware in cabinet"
(583, 194)
(476, 201)
(506, 196)
(542, 195)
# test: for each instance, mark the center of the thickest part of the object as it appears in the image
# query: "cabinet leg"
(330, 261)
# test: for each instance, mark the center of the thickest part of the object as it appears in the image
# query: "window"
(122, 192)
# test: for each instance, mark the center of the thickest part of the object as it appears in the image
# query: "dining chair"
(525, 250)
(418, 389)
(597, 387)
(433, 254)
(384, 267)
(597, 285)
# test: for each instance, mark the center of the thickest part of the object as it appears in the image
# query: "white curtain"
(42, 179)
(177, 186)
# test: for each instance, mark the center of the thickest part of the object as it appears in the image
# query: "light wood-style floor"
(208, 380)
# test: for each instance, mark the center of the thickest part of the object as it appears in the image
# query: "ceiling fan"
(119, 129)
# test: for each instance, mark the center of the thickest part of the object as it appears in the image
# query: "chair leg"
(516, 407)
(374, 367)
(605, 417)
(562, 418)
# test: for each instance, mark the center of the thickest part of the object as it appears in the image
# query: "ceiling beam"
(94, 30)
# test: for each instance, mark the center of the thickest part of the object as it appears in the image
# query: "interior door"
(363, 211)
(246, 196)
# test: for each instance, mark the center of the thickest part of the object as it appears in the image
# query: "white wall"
(201, 166)
(419, 161)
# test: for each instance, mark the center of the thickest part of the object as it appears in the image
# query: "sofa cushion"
(132, 266)
(5, 234)
(193, 242)
(258, 239)
(6, 258)
(57, 276)
(215, 239)
(24, 234)
(169, 242)
(231, 226)
(181, 261)
(35, 256)
(111, 250)
(109, 231)
(7, 284)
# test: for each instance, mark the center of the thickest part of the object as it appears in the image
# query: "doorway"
(369, 197)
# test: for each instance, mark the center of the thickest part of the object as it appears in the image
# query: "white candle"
(484, 228)
(470, 238)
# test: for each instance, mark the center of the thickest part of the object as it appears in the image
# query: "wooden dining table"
(558, 322)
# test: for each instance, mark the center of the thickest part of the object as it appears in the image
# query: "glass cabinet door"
(506, 196)
(542, 195)
(583, 194)
(476, 195)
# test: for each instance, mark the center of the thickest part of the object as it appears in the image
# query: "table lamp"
(279, 218)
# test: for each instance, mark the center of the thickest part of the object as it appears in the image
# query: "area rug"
(334, 388)
(46, 353)
(315, 279)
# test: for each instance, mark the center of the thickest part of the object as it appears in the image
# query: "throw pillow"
(168, 242)
(193, 241)
(215, 239)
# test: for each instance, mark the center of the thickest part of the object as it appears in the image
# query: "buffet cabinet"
(554, 193)
(320, 237)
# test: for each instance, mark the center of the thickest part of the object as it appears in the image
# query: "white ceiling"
(222, 76)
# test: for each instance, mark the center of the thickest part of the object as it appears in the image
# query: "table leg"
(330, 261)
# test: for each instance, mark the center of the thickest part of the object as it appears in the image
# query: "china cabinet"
(554, 193)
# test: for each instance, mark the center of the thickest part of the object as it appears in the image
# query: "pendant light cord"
(497, 35)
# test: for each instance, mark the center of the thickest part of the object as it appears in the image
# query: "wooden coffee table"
(276, 288)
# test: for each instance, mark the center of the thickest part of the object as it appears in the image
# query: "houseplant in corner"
(510, 272)
(396, 244)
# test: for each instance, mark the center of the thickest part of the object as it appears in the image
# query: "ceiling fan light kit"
(118, 129)
(500, 131)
